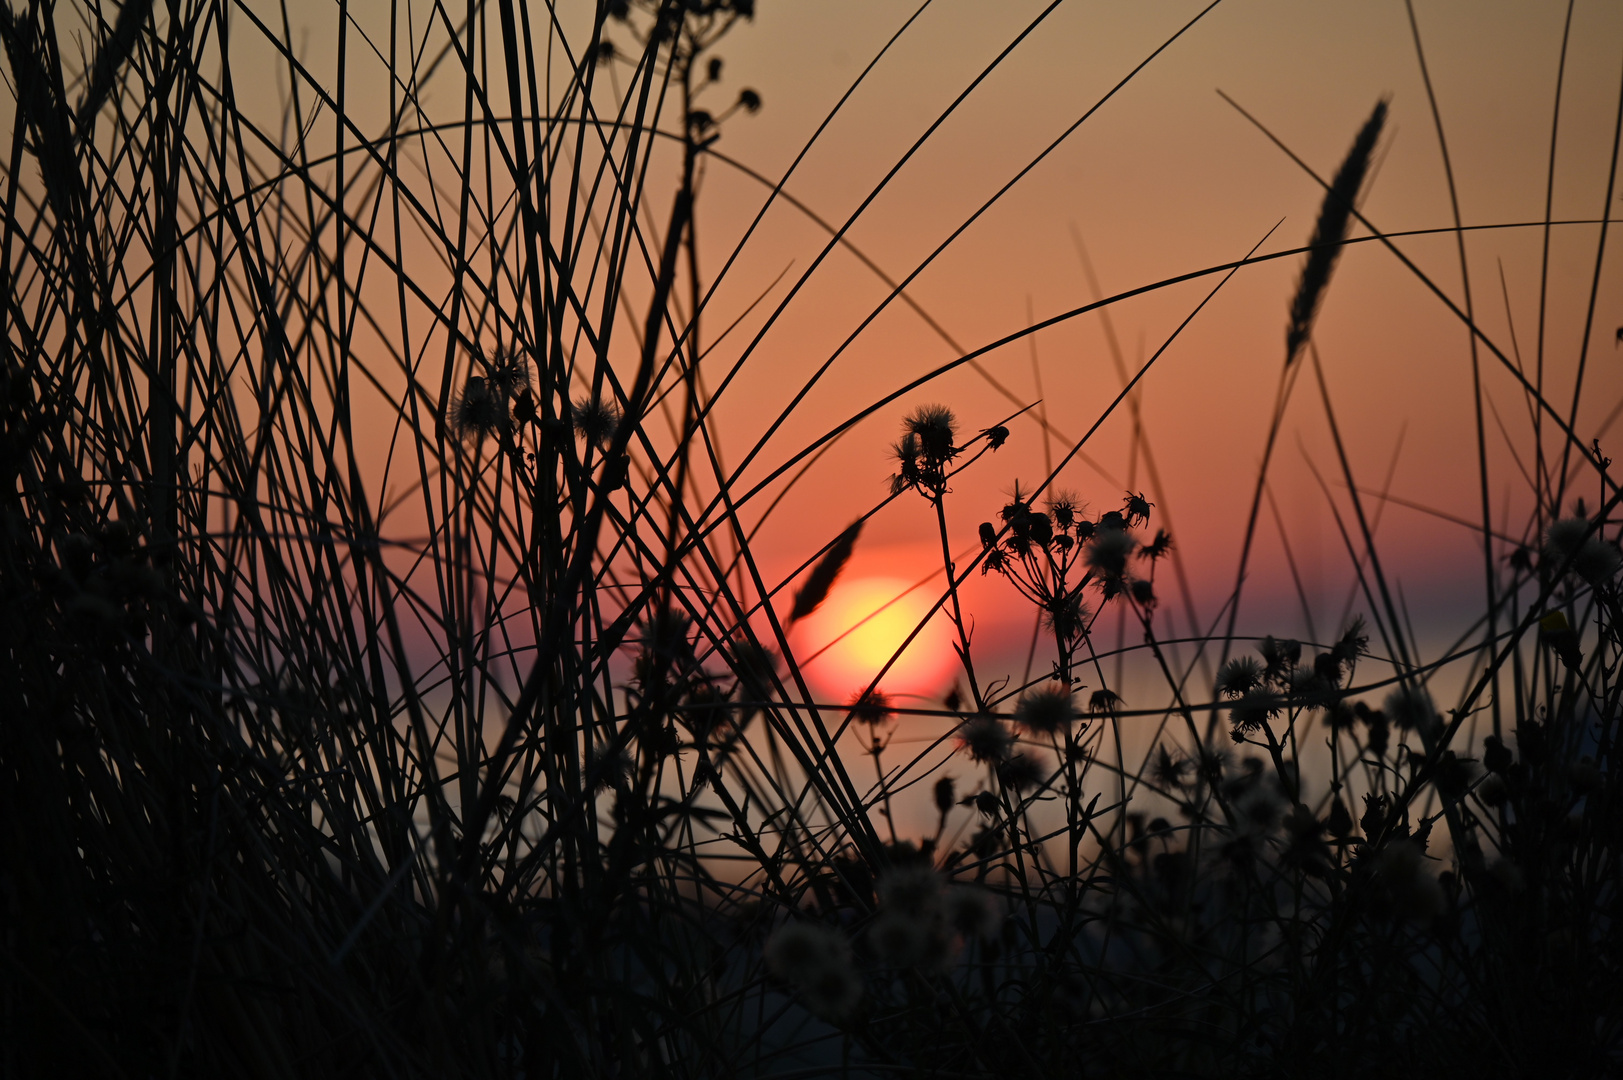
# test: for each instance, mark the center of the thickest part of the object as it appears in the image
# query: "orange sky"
(1163, 179)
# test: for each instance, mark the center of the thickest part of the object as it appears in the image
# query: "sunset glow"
(875, 615)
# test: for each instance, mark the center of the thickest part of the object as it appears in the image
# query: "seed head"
(507, 373)
(1571, 543)
(1104, 702)
(1047, 710)
(1021, 772)
(985, 739)
(816, 959)
(1410, 707)
(1238, 676)
(595, 420)
(1255, 708)
(1107, 552)
(871, 707)
(479, 411)
(1062, 507)
(934, 427)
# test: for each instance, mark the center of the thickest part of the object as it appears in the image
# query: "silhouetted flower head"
(1280, 654)
(1238, 676)
(1107, 552)
(1062, 506)
(1020, 772)
(749, 100)
(816, 959)
(478, 411)
(595, 420)
(971, 911)
(1255, 708)
(871, 707)
(1158, 548)
(985, 739)
(1046, 710)
(1571, 543)
(934, 427)
(1410, 708)
(1104, 702)
(507, 373)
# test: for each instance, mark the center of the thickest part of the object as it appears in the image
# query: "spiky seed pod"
(1330, 232)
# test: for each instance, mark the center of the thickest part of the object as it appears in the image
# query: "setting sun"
(862, 625)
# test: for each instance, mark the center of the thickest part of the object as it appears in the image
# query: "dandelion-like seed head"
(595, 420)
(1046, 710)
(1136, 508)
(798, 951)
(1107, 552)
(1410, 708)
(478, 411)
(911, 888)
(935, 427)
(1169, 771)
(1020, 772)
(985, 739)
(1570, 542)
(901, 940)
(871, 707)
(507, 373)
(1238, 676)
(1280, 654)
(1064, 508)
(1353, 643)
(1255, 708)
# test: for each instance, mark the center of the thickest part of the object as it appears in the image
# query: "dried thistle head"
(872, 707)
(479, 411)
(595, 420)
(507, 372)
(985, 739)
(1046, 710)
(935, 427)
(1576, 544)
